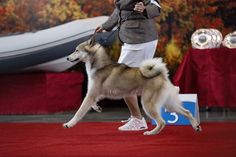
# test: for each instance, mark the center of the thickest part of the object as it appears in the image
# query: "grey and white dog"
(107, 79)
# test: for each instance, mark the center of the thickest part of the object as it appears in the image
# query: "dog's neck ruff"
(99, 60)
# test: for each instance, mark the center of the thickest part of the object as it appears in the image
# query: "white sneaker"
(134, 124)
(127, 120)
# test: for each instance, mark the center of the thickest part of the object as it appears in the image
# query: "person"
(137, 32)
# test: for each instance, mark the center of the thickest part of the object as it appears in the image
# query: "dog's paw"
(146, 133)
(68, 125)
(198, 128)
(65, 126)
(97, 108)
(149, 133)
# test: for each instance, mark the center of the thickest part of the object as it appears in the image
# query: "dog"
(108, 79)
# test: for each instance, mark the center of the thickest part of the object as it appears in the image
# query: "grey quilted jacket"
(134, 27)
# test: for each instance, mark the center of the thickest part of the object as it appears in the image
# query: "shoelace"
(133, 124)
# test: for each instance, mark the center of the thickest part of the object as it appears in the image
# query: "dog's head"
(84, 51)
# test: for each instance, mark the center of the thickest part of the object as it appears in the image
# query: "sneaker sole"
(134, 130)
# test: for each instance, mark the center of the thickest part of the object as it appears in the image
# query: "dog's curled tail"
(153, 67)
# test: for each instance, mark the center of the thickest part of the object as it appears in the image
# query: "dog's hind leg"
(151, 106)
(173, 104)
(189, 116)
(153, 114)
(84, 108)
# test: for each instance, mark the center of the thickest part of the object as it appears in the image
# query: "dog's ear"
(91, 41)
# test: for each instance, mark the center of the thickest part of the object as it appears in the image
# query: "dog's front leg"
(85, 106)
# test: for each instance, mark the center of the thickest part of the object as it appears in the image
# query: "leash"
(104, 40)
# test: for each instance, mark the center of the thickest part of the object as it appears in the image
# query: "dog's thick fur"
(107, 79)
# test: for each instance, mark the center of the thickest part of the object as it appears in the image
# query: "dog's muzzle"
(72, 60)
(73, 57)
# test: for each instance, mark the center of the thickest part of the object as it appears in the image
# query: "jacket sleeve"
(112, 21)
(152, 10)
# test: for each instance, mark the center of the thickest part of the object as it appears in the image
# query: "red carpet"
(102, 139)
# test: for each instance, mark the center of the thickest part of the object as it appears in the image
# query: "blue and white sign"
(189, 102)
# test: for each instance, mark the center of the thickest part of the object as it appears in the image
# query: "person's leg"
(132, 103)
(136, 121)
(133, 55)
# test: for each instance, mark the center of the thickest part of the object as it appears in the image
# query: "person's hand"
(139, 7)
(99, 29)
